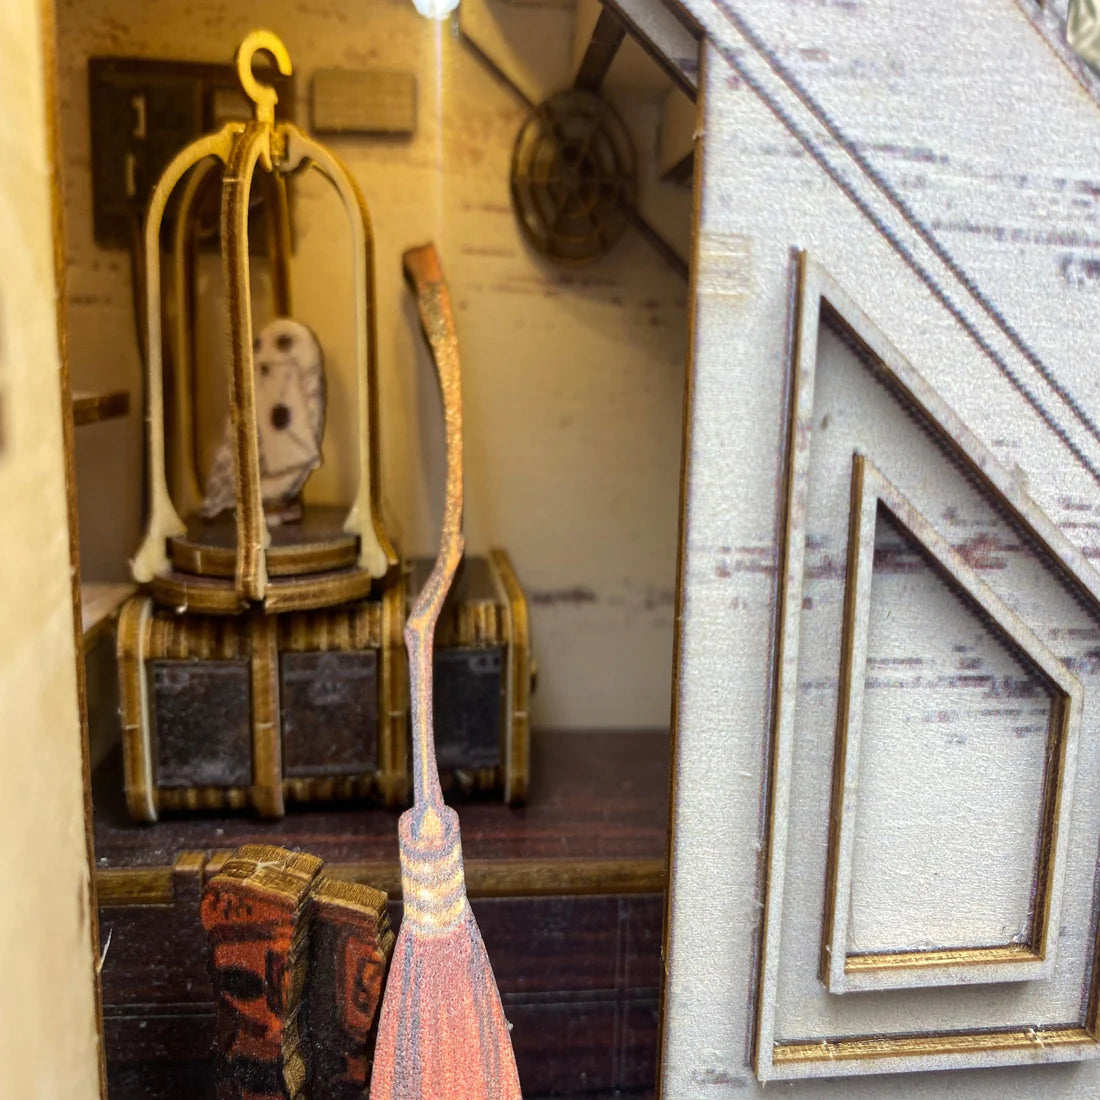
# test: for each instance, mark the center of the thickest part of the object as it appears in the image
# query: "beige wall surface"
(573, 378)
(47, 1014)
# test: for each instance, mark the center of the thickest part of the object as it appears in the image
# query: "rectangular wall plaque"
(349, 101)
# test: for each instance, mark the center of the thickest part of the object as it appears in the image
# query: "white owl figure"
(290, 421)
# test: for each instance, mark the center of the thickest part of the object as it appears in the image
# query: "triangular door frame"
(1034, 958)
(816, 295)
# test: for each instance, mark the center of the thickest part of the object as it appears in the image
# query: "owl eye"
(284, 341)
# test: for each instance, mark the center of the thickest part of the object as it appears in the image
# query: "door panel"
(938, 668)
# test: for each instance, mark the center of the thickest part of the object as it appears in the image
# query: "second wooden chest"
(258, 710)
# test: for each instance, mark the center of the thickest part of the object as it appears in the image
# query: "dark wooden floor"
(567, 890)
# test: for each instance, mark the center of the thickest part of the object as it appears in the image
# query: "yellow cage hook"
(264, 96)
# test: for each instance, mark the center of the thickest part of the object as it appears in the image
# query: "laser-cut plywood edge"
(947, 965)
(814, 292)
(164, 522)
(516, 727)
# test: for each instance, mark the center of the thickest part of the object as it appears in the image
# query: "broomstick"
(442, 1034)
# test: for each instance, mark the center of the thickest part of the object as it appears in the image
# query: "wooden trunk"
(222, 712)
(257, 710)
(482, 677)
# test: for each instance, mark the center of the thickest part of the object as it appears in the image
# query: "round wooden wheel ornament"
(573, 177)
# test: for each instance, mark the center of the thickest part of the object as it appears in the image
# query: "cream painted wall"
(573, 379)
(48, 1042)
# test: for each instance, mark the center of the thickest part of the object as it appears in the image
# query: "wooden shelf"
(91, 408)
(596, 797)
(99, 604)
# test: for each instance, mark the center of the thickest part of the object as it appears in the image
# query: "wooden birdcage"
(220, 567)
(260, 664)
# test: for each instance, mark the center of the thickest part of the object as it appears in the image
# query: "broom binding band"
(433, 887)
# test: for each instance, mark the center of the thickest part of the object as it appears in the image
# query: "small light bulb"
(1083, 30)
(435, 9)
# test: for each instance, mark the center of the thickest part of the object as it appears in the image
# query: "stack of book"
(297, 961)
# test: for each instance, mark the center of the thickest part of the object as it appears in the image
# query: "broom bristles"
(442, 1033)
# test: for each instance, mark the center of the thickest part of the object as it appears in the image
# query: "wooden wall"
(48, 1042)
(573, 378)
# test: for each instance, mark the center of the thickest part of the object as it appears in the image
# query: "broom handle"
(433, 304)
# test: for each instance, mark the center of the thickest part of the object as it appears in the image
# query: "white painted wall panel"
(776, 178)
